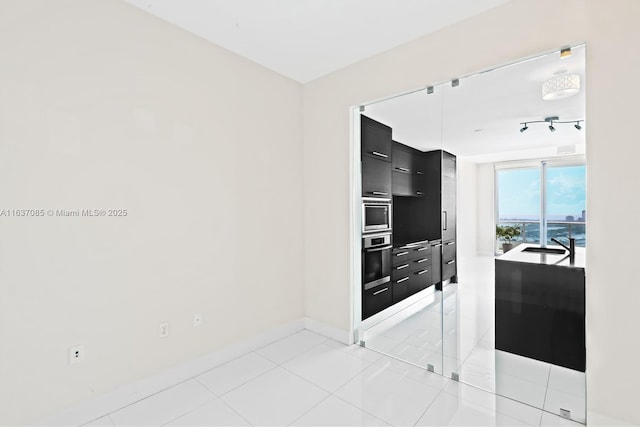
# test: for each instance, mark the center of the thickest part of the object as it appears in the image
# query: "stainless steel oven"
(376, 215)
(376, 260)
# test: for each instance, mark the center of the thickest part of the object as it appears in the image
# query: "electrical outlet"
(197, 320)
(76, 354)
(163, 329)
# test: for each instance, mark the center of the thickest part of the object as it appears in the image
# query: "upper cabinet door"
(375, 138)
(376, 178)
(402, 159)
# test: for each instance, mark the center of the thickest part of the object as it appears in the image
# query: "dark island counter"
(540, 306)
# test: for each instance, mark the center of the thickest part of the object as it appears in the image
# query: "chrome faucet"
(571, 248)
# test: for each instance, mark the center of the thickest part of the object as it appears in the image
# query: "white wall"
(104, 106)
(516, 30)
(613, 346)
(486, 240)
(467, 209)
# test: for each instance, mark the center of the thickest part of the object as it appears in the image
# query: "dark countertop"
(517, 255)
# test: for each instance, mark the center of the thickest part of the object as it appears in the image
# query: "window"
(565, 191)
(519, 201)
(545, 201)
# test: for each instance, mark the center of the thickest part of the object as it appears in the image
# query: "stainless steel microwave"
(376, 215)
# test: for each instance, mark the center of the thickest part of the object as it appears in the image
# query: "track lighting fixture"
(551, 120)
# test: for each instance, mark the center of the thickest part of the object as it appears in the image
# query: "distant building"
(569, 218)
(584, 216)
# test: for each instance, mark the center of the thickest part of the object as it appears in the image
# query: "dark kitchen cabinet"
(436, 263)
(540, 310)
(376, 178)
(440, 214)
(408, 171)
(411, 271)
(449, 267)
(376, 158)
(376, 299)
(400, 289)
(375, 139)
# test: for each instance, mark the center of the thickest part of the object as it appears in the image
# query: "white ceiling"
(306, 39)
(480, 119)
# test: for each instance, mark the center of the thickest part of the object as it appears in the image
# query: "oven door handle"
(379, 249)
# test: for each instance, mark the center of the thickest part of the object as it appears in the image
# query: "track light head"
(551, 128)
(577, 126)
(525, 127)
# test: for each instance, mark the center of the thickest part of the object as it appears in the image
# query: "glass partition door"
(408, 326)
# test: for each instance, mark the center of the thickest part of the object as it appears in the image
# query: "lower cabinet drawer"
(448, 269)
(400, 288)
(420, 264)
(402, 269)
(449, 250)
(376, 299)
(420, 280)
(400, 256)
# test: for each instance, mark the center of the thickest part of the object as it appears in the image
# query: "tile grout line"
(194, 409)
(239, 385)
(201, 373)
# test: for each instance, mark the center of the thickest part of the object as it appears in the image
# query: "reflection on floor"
(307, 379)
(462, 341)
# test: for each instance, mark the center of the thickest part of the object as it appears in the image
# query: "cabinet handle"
(438, 245)
(444, 220)
(375, 153)
(451, 243)
(379, 193)
(402, 280)
(423, 271)
(383, 248)
(402, 169)
(402, 266)
(380, 291)
(401, 253)
(419, 193)
(422, 260)
(423, 249)
(420, 173)
(451, 262)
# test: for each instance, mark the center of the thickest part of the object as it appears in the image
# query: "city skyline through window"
(520, 192)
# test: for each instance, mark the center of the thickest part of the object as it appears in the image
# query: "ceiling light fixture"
(559, 87)
(551, 120)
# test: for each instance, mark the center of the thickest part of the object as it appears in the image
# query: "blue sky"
(519, 192)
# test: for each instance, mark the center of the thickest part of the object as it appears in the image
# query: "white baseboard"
(96, 407)
(328, 331)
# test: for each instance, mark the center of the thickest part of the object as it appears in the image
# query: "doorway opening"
(504, 176)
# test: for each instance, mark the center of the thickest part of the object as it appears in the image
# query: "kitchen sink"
(544, 250)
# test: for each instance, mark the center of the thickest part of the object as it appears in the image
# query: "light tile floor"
(306, 379)
(453, 332)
